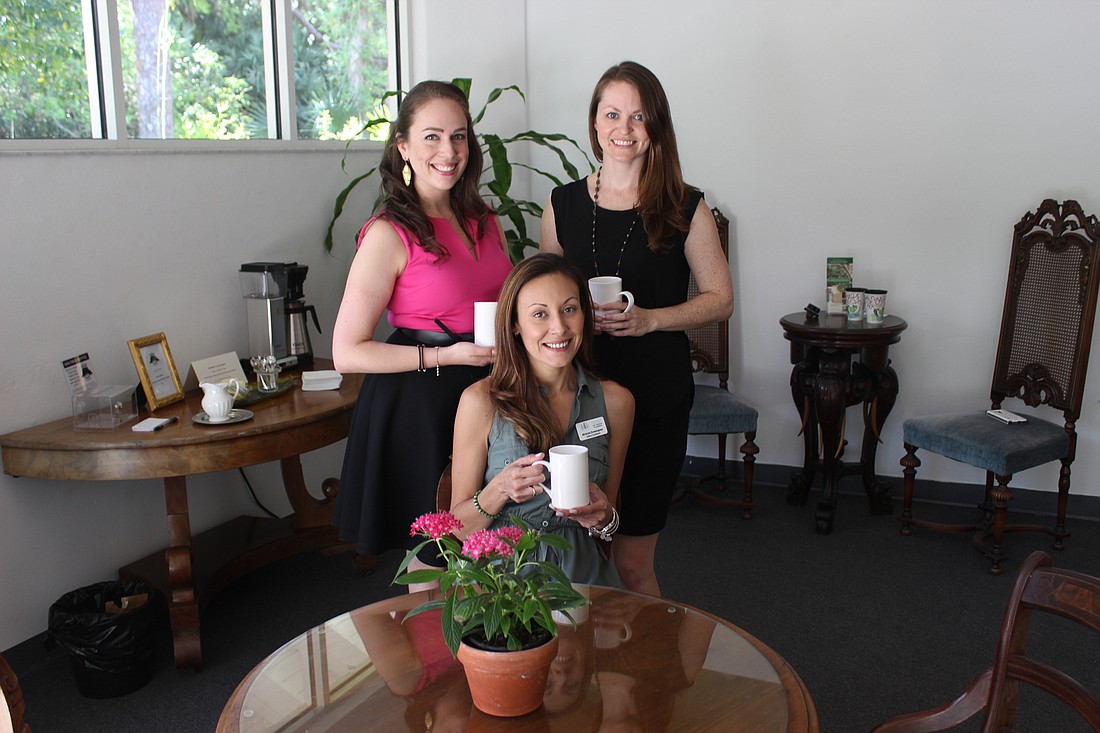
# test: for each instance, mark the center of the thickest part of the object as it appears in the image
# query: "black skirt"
(399, 442)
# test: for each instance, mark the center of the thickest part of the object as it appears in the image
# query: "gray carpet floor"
(875, 624)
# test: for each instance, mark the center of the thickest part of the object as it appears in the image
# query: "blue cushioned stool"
(1042, 355)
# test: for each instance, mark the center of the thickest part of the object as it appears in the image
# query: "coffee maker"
(298, 343)
(264, 288)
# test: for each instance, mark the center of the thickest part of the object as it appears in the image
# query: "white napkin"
(321, 380)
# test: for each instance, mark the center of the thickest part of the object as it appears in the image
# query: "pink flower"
(511, 532)
(435, 525)
(485, 543)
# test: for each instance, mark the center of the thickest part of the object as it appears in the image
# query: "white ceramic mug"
(568, 467)
(608, 288)
(485, 316)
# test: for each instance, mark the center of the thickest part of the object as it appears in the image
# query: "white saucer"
(235, 416)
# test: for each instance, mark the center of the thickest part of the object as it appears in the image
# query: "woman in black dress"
(637, 219)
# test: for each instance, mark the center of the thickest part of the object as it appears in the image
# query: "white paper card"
(217, 368)
(78, 371)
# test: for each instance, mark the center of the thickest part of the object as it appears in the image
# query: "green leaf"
(464, 83)
(338, 207)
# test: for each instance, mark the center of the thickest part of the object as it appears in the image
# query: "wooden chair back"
(996, 692)
(1050, 306)
(443, 491)
(710, 344)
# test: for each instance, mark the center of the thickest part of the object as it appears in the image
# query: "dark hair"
(662, 193)
(513, 390)
(401, 203)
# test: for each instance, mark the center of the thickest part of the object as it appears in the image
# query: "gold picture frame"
(157, 370)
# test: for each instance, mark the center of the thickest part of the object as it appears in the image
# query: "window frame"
(107, 104)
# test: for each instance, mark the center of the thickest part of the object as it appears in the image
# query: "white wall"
(100, 248)
(911, 134)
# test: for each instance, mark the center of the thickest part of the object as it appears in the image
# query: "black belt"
(435, 338)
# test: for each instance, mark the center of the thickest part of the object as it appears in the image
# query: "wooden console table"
(193, 569)
(824, 382)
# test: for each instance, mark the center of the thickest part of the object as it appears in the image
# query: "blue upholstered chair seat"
(715, 410)
(979, 440)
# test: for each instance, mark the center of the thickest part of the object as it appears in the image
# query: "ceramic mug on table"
(568, 467)
(609, 288)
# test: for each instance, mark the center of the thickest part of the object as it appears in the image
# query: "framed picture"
(157, 371)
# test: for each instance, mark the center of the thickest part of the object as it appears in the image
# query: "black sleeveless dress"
(656, 367)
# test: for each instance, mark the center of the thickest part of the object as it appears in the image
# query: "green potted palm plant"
(497, 178)
(497, 607)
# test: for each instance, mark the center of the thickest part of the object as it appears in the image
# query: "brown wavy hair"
(662, 193)
(400, 203)
(513, 390)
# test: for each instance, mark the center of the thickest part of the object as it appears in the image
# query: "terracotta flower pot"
(507, 684)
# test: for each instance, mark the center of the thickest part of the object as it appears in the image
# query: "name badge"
(591, 428)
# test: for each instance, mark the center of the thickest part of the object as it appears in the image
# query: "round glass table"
(633, 662)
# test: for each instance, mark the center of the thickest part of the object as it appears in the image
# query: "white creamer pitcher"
(218, 397)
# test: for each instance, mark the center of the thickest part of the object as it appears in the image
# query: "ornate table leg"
(309, 512)
(830, 401)
(884, 392)
(800, 481)
(183, 608)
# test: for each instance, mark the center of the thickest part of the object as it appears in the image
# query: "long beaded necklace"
(595, 203)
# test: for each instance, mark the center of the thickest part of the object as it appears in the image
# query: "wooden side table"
(824, 382)
(193, 569)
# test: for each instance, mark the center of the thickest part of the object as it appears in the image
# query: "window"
(199, 69)
(43, 76)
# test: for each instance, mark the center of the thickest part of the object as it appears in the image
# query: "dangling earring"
(407, 174)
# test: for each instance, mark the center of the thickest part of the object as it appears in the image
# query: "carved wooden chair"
(995, 693)
(1042, 355)
(11, 713)
(716, 410)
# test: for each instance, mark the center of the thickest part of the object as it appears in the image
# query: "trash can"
(109, 631)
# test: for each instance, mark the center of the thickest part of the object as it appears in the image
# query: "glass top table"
(631, 658)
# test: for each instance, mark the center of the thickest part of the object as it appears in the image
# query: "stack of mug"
(865, 304)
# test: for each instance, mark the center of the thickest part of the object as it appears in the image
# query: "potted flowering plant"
(503, 599)
(497, 607)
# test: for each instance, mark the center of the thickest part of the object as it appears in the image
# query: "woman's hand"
(597, 513)
(520, 481)
(616, 321)
(463, 352)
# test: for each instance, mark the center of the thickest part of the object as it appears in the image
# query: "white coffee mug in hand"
(485, 316)
(608, 288)
(569, 476)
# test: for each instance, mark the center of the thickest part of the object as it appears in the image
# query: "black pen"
(166, 423)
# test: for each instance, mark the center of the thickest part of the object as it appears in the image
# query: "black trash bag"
(111, 653)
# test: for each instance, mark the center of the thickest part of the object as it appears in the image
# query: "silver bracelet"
(608, 529)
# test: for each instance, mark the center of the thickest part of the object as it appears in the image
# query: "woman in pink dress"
(432, 251)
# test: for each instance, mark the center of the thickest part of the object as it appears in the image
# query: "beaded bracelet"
(437, 361)
(608, 529)
(481, 511)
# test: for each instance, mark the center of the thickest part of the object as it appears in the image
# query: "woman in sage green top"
(543, 392)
